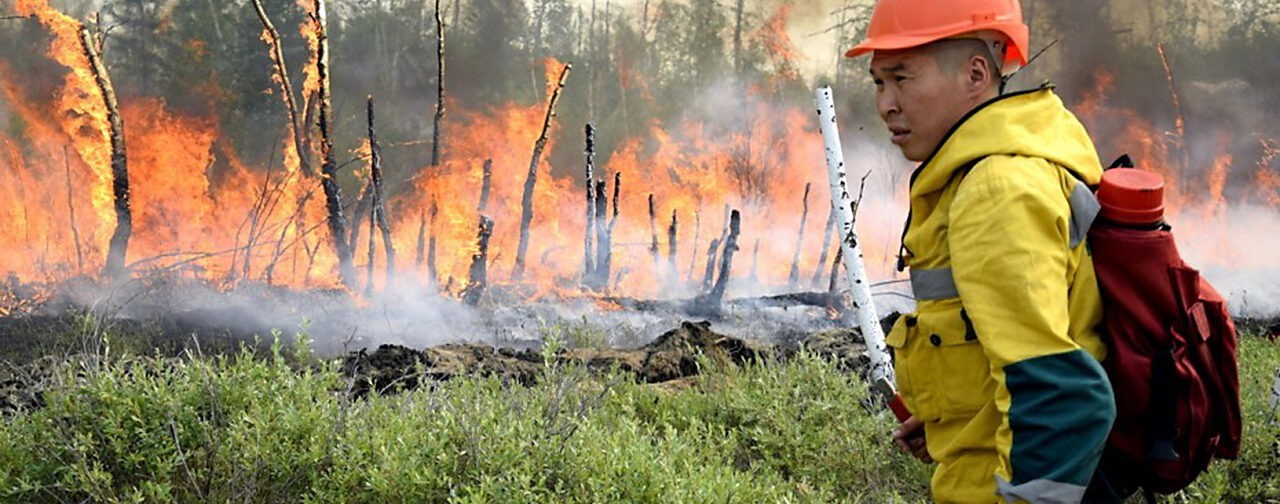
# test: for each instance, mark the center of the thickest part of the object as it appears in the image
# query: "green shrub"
(260, 428)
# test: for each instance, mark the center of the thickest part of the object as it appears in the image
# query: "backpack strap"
(937, 284)
(1162, 422)
(1084, 210)
(1124, 161)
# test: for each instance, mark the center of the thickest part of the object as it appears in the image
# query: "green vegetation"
(262, 428)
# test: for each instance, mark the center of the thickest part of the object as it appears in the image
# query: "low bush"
(263, 428)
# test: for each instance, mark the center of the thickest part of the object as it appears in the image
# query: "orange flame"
(1195, 196)
(202, 211)
(79, 103)
(309, 28)
(1217, 182)
(782, 53)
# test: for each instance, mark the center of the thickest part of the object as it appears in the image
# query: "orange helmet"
(903, 24)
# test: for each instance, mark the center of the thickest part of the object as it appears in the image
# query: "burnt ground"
(650, 340)
(34, 349)
(396, 340)
(671, 357)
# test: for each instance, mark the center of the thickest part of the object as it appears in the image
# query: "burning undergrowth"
(178, 308)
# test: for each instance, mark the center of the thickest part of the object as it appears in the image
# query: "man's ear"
(979, 76)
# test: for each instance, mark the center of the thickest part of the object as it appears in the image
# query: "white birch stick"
(868, 320)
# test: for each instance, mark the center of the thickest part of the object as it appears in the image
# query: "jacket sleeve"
(1008, 235)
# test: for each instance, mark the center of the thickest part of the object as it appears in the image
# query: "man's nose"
(887, 102)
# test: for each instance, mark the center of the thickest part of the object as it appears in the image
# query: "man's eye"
(878, 82)
(899, 78)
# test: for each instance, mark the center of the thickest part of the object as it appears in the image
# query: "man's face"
(917, 99)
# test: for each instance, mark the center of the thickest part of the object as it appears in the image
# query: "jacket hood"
(1031, 123)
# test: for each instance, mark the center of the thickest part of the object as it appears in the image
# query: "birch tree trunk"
(329, 171)
(119, 245)
(526, 203)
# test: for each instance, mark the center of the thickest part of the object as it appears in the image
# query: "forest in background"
(633, 66)
(701, 103)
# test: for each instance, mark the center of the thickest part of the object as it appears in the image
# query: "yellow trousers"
(968, 461)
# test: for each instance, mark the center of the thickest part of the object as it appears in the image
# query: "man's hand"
(909, 436)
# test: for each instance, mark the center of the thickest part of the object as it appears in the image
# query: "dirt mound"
(671, 357)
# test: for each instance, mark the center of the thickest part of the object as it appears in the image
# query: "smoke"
(412, 316)
(1230, 232)
(1238, 256)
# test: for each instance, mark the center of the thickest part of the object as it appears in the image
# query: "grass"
(252, 427)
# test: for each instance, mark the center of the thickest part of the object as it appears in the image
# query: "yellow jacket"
(1000, 360)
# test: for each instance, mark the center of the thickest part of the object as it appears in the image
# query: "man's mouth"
(899, 134)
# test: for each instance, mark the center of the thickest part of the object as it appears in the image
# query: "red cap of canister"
(1131, 196)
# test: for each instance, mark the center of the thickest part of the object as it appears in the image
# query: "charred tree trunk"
(368, 285)
(485, 184)
(673, 274)
(653, 233)
(526, 203)
(710, 273)
(835, 271)
(379, 203)
(588, 259)
(602, 235)
(119, 161)
(332, 192)
(726, 259)
(432, 274)
(826, 246)
(604, 267)
(617, 188)
(478, 277)
(439, 117)
(362, 206)
(711, 254)
(794, 278)
(286, 89)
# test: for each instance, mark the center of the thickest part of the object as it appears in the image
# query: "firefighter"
(999, 364)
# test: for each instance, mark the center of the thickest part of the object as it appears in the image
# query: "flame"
(1217, 182)
(79, 104)
(292, 161)
(782, 53)
(310, 28)
(203, 212)
(1269, 185)
(1196, 193)
(551, 71)
(1133, 133)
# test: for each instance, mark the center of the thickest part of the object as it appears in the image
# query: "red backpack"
(1171, 343)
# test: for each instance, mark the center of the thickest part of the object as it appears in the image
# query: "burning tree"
(224, 182)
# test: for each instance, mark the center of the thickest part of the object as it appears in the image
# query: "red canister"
(1130, 196)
